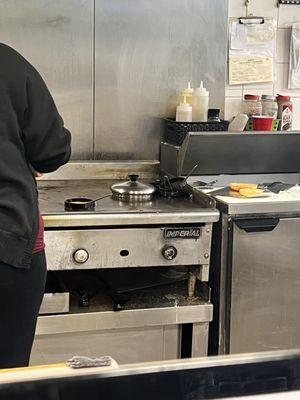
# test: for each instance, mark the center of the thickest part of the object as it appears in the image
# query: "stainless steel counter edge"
(54, 324)
(206, 362)
(251, 207)
(259, 208)
(160, 366)
(117, 219)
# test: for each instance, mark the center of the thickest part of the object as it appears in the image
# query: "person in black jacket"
(32, 138)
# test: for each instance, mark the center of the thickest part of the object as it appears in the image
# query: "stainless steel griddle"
(108, 211)
(152, 238)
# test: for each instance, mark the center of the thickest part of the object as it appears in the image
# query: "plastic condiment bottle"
(184, 112)
(285, 112)
(200, 104)
(187, 94)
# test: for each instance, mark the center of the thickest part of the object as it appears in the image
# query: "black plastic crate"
(175, 132)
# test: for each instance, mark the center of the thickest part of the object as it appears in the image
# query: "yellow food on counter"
(238, 186)
(250, 192)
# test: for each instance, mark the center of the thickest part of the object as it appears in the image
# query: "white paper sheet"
(252, 52)
(294, 67)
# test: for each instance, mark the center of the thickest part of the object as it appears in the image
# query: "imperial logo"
(182, 233)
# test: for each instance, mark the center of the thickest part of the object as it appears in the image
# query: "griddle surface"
(52, 195)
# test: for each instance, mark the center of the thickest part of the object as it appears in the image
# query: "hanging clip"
(251, 19)
(288, 2)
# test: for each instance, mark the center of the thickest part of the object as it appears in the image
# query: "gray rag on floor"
(87, 362)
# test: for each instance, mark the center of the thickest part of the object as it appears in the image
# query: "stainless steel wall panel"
(57, 37)
(145, 52)
(142, 53)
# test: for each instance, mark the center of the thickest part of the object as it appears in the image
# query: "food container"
(239, 123)
(252, 105)
(214, 115)
(262, 123)
(269, 105)
(285, 112)
(275, 125)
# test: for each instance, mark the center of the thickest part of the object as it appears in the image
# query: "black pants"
(21, 293)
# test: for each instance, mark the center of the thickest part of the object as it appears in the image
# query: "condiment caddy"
(175, 132)
(264, 113)
(193, 115)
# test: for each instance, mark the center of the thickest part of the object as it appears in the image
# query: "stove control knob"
(81, 256)
(169, 252)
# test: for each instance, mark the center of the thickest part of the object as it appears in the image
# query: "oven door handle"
(258, 225)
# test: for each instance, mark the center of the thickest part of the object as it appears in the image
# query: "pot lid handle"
(133, 177)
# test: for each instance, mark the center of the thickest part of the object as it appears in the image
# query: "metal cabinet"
(265, 289)
(129, 336)
(255, 280)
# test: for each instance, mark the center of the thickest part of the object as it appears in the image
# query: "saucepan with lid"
(132, 190)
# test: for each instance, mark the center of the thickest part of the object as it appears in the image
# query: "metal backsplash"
(115, 66)
(57, 37)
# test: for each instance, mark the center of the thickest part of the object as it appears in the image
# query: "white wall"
(284, 16)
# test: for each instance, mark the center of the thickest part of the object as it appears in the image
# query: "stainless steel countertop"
(52, 195)
(271, 204)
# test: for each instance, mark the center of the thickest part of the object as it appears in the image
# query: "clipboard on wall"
(252, 50)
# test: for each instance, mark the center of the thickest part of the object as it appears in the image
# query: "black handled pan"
(82, 203)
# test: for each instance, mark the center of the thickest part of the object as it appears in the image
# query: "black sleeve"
(47, 142)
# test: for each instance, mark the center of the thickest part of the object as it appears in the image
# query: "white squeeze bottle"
(184, 112)
(187, 93)
(200, 104)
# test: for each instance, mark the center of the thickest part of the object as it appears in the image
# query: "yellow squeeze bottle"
(187, 94)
